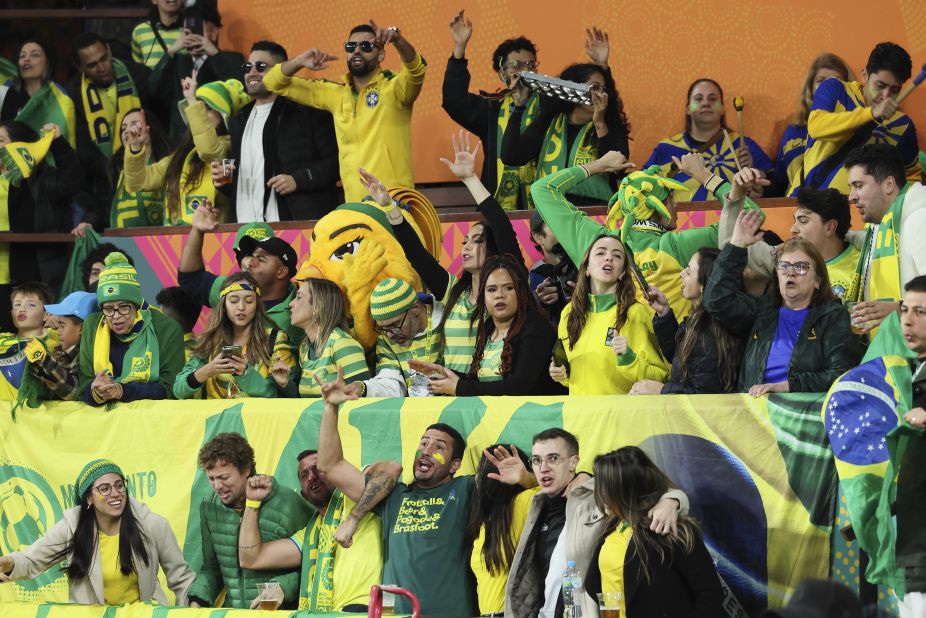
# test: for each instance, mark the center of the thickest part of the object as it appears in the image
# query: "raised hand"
(511, 469)
(520, 93)
(597, 45)
(384, 36)
(189, 87)
(259, 487)
(884, 110)
(51, 127)
(376, 189)
(746, 232)
(461, 29)
(599, 105)
(335, 392)
(747, 180)
(611, 162)
(314, 59)
(280, 372)
(693, 165)
(463, 165)
(206, 218)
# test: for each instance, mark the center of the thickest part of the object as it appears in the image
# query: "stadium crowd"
(184, 133)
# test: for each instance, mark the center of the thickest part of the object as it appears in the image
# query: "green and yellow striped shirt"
(459, 335)
(146, 49)
(340, 349)
(426, 346)
(489, 368)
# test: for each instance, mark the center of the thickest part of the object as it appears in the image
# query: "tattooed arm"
(380, 481)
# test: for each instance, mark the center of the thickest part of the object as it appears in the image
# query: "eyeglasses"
(123, 310)
(799, 268)
(551, 460)
(365, 46)
(522, 65)
(391, 328)
(260, 66)
(105, 489)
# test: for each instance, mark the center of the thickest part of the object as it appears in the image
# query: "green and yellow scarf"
(142, 360)
(50, 104)
(18, 160)
(202, 189)
(884, 273)
(139, 209)
(316, 592)
(584, 149)
(513, 181)
(103, 122)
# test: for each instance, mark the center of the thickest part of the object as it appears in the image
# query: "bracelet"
(713, 183)
(363, 389)
(252, 504)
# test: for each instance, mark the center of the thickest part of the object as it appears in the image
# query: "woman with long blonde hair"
(233, 355)
(319, 310)
(657, 575)
(607, 336)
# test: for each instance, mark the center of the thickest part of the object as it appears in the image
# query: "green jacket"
(170, 355)
(822, 351)
(251, 384)
(278, 314)
(282, 514)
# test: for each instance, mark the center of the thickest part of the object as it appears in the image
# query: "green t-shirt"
(459, 333)
(425, 547)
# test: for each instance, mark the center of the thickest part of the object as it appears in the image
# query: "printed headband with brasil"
(239, 287)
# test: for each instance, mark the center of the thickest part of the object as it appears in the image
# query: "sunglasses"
(365, 46)
(260, 66)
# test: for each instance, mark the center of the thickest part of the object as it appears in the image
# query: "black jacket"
(476, 114)
(100, 185)
(822, 352)
(702, 374)
(299, 141)
(684, 586)
(530, 358)
(42, 203)
(166, 91)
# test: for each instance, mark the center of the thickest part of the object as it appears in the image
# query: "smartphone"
(231, 350)
(193, 23)
(637, 275)
(559, 354)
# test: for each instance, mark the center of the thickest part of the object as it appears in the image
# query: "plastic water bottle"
(572, 591)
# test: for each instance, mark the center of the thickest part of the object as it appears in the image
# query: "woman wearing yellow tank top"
(112, 544)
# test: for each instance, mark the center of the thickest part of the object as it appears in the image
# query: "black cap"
(274, 246)
(819, 598)
(208, 10)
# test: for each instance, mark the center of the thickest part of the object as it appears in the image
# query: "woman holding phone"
(607, 334)
(233, 355)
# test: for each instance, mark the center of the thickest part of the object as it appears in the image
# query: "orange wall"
(756, 49)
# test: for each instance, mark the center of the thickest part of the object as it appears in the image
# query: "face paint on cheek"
(718, 106)
(440, 458)
(873, 91)
(692, 107)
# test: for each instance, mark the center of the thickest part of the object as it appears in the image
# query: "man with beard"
(286, 154)
(104, 90)
(333, 578)
(424, 523)
(228, 462)
(372, 110)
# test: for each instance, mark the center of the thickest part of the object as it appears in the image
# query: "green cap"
(91, 472)
(258, 231)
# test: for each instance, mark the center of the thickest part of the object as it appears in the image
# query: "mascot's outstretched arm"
(361, 272)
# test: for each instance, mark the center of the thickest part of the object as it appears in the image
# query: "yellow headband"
(239, 287)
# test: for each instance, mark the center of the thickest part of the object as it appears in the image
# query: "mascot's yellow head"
(355, 247)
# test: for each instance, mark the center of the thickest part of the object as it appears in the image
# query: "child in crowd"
(58, 369)
(31, 338)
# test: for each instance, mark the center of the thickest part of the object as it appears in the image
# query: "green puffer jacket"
(282, 514)
(822, 352)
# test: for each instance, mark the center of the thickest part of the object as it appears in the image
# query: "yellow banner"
(758, 473)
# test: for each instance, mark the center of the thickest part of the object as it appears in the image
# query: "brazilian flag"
(8, 70)
(51, 104)
(862, 413)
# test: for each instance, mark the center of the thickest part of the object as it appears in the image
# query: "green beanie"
(118, 281)
(391, 297)
(91, 472)
(226, 97)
